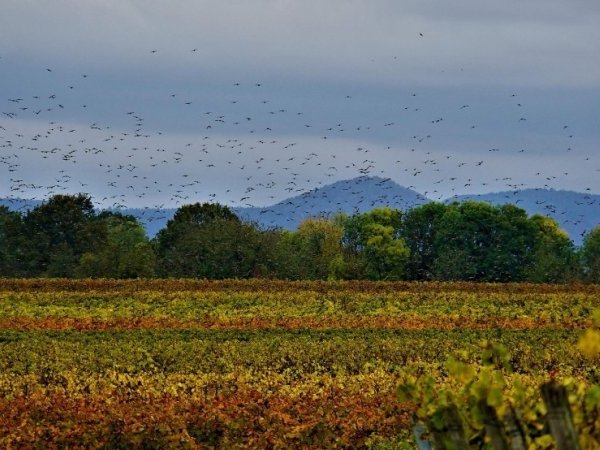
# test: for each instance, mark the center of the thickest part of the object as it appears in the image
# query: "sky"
(248, 102)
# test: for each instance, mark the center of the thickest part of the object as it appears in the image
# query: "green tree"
(126, 253)
(478, 241)
(208, 241)
(419, 230)
(460, 240)
(511, 247)
(12, 244)
(265, 244)
(60, 231)
(590, 256)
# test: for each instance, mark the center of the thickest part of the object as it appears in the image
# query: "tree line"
(66, 237)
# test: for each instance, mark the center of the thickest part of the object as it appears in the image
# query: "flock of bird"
(253, 146)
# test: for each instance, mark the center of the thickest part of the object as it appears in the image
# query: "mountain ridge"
(576, 212)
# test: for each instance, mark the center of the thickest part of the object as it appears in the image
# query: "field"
(267, 364)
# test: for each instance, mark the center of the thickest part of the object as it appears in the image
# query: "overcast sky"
(247, 102)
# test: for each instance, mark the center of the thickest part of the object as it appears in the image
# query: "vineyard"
(274, 364)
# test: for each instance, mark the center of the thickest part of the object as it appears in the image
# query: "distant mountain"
(575, 212)
(350, 196)
(356, 195)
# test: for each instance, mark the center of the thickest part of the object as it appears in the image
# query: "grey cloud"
(537, 42)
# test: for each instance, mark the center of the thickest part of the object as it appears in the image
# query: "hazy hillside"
(349, 196)
(19, 204)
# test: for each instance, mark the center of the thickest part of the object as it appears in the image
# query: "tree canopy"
(66, 237)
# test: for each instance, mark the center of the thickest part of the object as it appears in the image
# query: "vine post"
(560, 419)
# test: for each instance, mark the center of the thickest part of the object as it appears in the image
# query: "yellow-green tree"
(373, 245)
(553, 259)
(313, 251)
